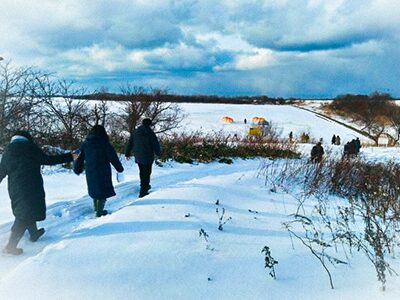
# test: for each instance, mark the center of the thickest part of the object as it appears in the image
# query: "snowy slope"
(285, 118)
(150, 248)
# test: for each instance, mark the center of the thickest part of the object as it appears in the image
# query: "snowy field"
(285, 118)
(150, 248)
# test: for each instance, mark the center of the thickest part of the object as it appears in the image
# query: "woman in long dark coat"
(21, 162)
(96, 154)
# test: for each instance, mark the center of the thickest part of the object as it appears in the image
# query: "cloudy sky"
(287, 48)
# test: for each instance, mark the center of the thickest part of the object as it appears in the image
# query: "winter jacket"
(21, 162)
(317, 152)
(145, 145)
(96, 154)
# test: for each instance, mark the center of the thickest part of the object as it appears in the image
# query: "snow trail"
(73, 218)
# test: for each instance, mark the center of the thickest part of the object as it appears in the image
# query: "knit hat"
(24, 133)
(146, 122)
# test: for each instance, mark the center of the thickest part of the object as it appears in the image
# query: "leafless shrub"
(199, 147)
(315, 240)
(369, 221)
(221, 221)
(270, 262)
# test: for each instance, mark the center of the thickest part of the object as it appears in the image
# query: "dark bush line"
(190, 98)
(190, 149)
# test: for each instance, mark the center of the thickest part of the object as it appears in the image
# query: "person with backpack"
(145, 145)
(96, 155)
(21, 162)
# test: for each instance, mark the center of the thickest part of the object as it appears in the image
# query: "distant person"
(333, 140)
(96, 155)
(346, 150)
(21, 162)
(145, 146)
(357, 144)
(349, 149)
(245, 121)
(291, 136)
(337, 142)
(317, 152)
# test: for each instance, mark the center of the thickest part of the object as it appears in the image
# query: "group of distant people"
(335, 140)
(351, 148)
(22, 161)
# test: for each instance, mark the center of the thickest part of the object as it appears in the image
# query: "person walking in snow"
(145, 146)
(337, 142)
(333, 140)
(357, 145)
(350, 149)
(21, 162)
(96, 155)
(317, 152)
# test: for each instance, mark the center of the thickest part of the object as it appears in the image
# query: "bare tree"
(394, 119)
(371, 112)
(99, 114)
(59, 104)
(16, 98)
(165, 116)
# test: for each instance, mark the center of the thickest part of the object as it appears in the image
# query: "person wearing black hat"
(21, 162)
(96, 155)
(145, 146)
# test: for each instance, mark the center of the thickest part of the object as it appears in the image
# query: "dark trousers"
(18, 229)
(144, 174)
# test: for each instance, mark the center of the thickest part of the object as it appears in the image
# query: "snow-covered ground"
(285, 118)
(150, 248)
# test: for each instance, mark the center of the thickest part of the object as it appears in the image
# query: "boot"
(104, 212)
(143, 193)
(95, 201)
(12, 250)
(100, 208)
(11, 247)
(34, 232)
(36, 235)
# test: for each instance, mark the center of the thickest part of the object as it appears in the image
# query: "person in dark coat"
(357, 145)
(349, 149)
(21, 162)
(96, 154)
(337, 142)
(317, 152)
(333, 140)
(145, 146)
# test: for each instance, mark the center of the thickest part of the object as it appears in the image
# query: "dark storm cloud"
(280, 47)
